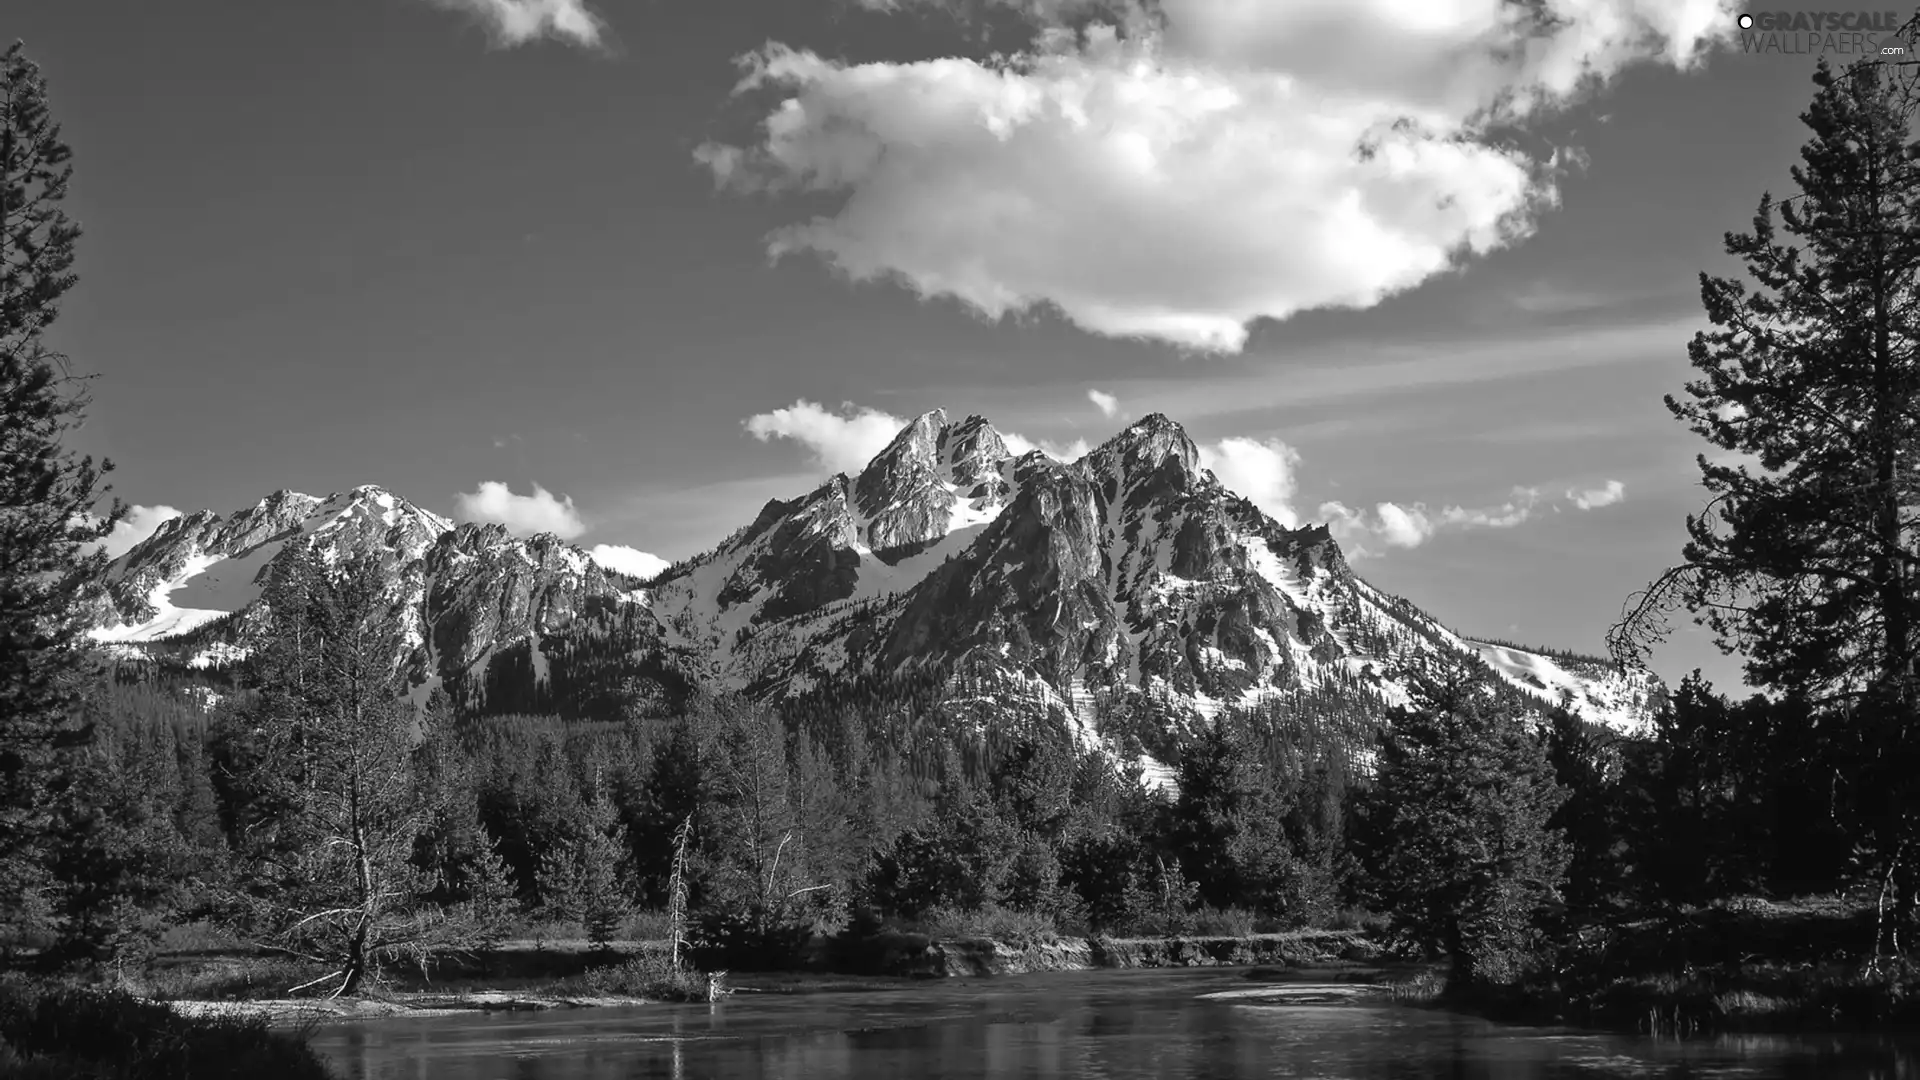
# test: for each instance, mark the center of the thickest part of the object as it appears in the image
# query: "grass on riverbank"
(59, 1032)
(1745, 964)
(553, 960)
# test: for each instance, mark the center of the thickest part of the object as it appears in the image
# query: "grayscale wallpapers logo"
(1847, 33)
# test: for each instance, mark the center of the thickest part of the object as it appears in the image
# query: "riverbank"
(387, 1004)
(1745, 965)
(60, 1032)
(544, 975)
(1741, 965)
(919, 956)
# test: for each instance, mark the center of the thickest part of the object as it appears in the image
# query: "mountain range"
(1130, 574)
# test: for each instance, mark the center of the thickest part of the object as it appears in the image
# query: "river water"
(1118, 1025)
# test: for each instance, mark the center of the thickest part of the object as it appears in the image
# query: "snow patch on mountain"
(1606, 701)
(168, 620)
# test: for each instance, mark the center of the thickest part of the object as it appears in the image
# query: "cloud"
(140, 523)
(1594, 498)
(523, 515)
(1391, 524)
(1178, 173)
(1409, 526)
(1108, 405)
(517, 22)
(630, 561)
(840, 442)
(1263, 472)
(845, 441)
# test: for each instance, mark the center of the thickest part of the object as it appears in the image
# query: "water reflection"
(1111, 1025)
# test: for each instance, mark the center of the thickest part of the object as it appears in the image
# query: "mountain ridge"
(1130, 575)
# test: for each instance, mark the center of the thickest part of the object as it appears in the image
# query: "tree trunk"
(356, 971)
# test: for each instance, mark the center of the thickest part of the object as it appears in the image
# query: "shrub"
(1017, 928)
(746, 938)
(1223, 922)
(223, 979)
(651, 975)
(1357, 918)
(69, 1033)
(647, 924)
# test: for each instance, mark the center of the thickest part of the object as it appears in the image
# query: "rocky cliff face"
(462, 594)
(1131, 574)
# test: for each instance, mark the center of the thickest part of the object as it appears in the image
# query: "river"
(1117, 1025)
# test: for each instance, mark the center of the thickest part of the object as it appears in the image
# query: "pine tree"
(120, 865)
(1226, 825)
(606, 899)
(1462, 802)
(492, 899)
(48, 574)
(341, 806)
(1806, 560)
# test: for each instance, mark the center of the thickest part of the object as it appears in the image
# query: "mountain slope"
(1129, 578)
(1129, 573)
(463, 595)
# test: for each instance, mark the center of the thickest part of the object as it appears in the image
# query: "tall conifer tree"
(339, 794)
(1806, 560)
(47, 494)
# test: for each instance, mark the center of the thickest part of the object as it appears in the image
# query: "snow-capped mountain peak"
(1130, 575)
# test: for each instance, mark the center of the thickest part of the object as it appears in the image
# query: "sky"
(627, 269)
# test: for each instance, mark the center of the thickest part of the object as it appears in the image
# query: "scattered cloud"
(1543, 298)
(1594, 498)
(1262, 472)
(1179, 172)
(140, 523)
(1409, 526)
(517, 22)
(840, 442)
(1108, 405)
(626, 560)
(1391, 524)
(523, 515)
(846, 440)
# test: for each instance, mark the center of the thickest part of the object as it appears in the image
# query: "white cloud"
(1191, 170)
(1108, 405)
(1402, 526)
(523, 515)
(1594, 498)
(1263, 472)
(1414, 524)
(140, 523)
(625, 560)
(845, 441)
(516, 22)
(840, 442)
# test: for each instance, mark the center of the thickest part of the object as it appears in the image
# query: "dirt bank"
(922, 957)
(322, 1010)
(895, 956)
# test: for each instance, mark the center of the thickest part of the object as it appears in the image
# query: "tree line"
(314, 811)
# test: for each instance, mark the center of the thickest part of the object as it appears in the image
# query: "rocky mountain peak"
(1127, 575)
(974, 453)
(1152, 443)
(933, 478)
(916, 443)
(1150, 462)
